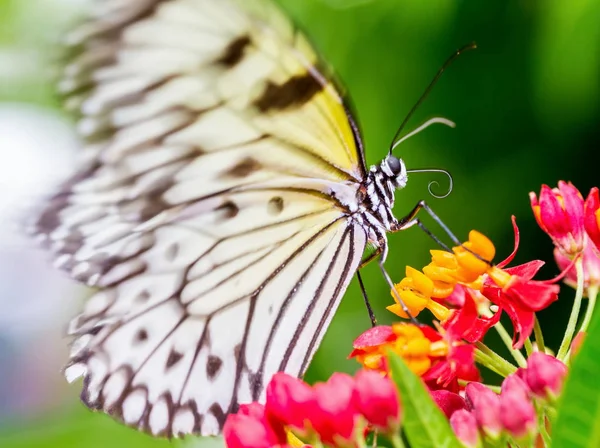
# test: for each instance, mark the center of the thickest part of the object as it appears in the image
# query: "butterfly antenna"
(470, 46)
(435, 182)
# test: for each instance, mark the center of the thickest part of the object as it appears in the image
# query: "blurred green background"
(527, 108)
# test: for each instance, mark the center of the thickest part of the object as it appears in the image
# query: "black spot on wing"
(243, 168)
(295, 91)
(213, 366)
(228, 210)
(275, 205)
(174, 358)
(141, 336)
(234, 52)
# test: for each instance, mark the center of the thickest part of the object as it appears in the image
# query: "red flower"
(249, 428)
(592, 217)
(456, 361)
(544, 375)
(560, 213)
(448, 402)
(407, 340)
(514, 291)
(465, 323)
(459, 364)
(485, 405)
(288, 400)
(376, 398)
(465, 427)
(591, 266)
(334, 414)
(516, 410)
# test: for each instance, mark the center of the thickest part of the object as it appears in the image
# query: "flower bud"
(250, 429)
(517, 413)
(376, 398)
(545, 375)
(560, 213)
(334, 414)
(447, 401)
(485, 405)
(288, 400)
(465, 427)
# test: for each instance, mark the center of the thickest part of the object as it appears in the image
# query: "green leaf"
(424, 425)
(578, 423)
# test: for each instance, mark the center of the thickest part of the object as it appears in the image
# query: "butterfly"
(221, 207)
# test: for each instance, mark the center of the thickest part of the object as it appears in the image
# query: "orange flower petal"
(421, 282)
(443, 258)
(481, 245)
(418, 365)
(439, 273)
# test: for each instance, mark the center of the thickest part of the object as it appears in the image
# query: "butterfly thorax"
(376, 197)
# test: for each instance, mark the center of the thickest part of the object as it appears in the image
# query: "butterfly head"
(394, 168)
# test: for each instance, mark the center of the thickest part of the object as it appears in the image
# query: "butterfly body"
(221, 207)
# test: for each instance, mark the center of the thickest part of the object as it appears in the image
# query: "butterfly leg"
(411, 220)
(367, 303)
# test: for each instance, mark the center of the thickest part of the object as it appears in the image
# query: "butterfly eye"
(394, 165)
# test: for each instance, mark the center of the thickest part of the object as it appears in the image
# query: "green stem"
(490, 359)
(544, 433)
(592, 296)
(484, 360)
(508, 342)
(541, 413)
(566, 342)
(397, 441)
(539, 336)
(528, 346)
(592, 293)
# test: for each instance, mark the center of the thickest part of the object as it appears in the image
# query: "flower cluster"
(467, 294)
(335, 413)
(467, 272)
(574, 226)
(511, 415)
(434, 355)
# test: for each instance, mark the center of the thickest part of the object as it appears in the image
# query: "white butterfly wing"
(212, 210)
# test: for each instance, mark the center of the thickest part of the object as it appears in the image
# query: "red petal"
(466, 323)
(447, 401)
(521, 319)
(516, 247)
(374, 336)
(573, 205)
(526, 270)
(552, 214)
(592, 227)
(457, 298)
(430, 333)
(532, 295)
